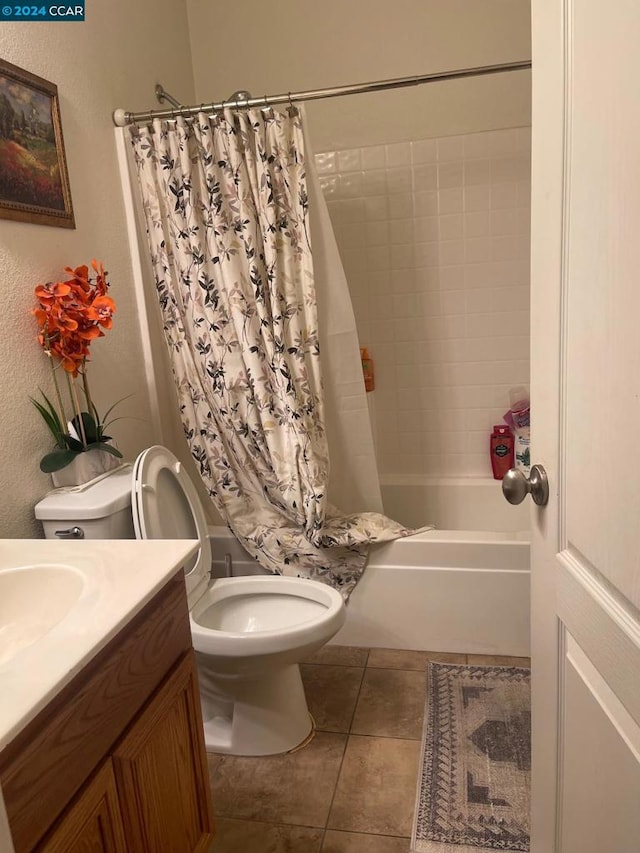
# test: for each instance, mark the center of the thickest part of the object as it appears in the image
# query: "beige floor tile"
(331, 692)
(293, 789)
(340, 656)
(407, 659)
(498, 660)
(356, 842)
(377, 786)
(247, 836)
(391, 703)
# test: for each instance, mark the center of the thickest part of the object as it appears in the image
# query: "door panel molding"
(566, 9)
(621, 719)
(601, 356)
(561, 722)
(607, 631)
(601, 759)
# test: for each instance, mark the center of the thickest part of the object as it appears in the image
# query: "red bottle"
(367, 370)
(501, 449)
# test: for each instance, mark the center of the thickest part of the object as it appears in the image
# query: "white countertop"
(119, 576)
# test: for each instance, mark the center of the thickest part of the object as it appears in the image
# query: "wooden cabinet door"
(93, 823)
(161, 771)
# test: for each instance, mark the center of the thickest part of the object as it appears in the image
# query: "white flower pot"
(86, 466)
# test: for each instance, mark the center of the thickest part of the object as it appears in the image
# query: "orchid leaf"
(56, 460)
(122, 418)
(89, 424)
(111, 408)
(109, 448)
(73, 443)
(102, 422)
(52, 409)
(51, 418)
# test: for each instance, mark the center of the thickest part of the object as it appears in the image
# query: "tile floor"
(352, 789)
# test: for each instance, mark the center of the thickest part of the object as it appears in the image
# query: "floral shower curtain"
(227, 215)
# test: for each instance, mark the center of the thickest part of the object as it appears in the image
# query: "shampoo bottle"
(367, 369)
(523, 450)
(501, 449)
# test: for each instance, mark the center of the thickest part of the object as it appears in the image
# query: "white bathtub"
(444, 591)
(464, 587)
(453, 503)
(450, 590)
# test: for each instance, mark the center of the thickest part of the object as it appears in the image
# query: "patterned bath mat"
(474, 790)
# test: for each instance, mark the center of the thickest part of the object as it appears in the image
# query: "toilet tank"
(101, 510)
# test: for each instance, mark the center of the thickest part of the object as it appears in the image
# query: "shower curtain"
(226, 205)
(354, 484)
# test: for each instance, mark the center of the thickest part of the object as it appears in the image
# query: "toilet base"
(262, 715)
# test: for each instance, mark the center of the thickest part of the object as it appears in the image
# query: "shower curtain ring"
(267, 110)
(291, 109)
(214, 118)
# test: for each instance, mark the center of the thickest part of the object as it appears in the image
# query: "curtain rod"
(122, 118)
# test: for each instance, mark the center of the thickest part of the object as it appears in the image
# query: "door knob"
(516, 486)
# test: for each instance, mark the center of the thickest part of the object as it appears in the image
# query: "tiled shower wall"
(434, 238)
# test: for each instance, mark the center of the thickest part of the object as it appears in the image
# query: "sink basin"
(33, 600)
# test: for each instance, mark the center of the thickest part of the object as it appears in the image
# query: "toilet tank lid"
(96, 500)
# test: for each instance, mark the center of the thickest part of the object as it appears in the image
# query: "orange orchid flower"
(89, 334)
(72, 313)
(80, 276)
(52, 290)
(104, 307)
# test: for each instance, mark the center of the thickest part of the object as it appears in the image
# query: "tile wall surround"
(434, 238)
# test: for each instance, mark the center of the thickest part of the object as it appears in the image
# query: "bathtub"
(453, 503)
(448, 590)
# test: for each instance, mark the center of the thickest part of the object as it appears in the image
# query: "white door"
(585, 419)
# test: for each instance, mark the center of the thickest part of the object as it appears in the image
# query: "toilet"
(249, 633)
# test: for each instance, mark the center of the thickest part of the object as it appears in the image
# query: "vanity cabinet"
(161, 778)
(116, 762)
(93, 823)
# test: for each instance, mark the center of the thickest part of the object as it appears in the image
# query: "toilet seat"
(263, 615)
(165, 505)
(265, 612)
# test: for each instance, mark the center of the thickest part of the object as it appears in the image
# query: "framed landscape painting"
(34, 185)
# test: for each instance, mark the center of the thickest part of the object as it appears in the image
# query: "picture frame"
(34, 182)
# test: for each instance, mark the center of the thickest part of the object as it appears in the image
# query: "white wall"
(434, 238)
(286, 46)
(112, 60)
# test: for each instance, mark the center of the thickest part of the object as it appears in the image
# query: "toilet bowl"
(249, 633)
